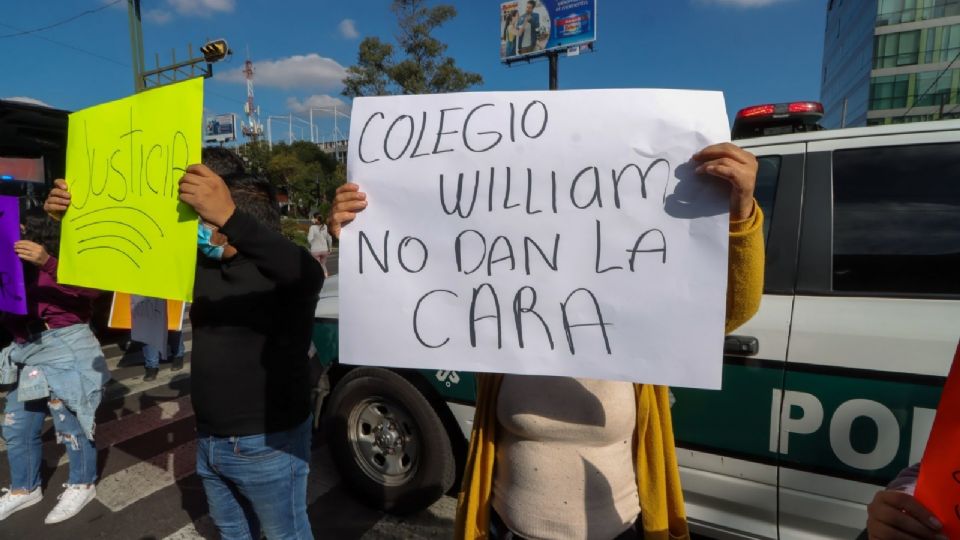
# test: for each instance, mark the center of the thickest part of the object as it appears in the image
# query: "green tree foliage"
(424, 67)
(306, 173)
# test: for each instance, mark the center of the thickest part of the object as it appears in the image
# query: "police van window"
(896, 223)
(766, 189)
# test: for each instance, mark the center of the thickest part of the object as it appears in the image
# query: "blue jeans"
(22, 425)
(257, 482)
(175, 349)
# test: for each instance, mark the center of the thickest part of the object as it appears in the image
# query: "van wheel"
(388, 443)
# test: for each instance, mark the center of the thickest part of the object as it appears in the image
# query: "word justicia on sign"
(125, 159)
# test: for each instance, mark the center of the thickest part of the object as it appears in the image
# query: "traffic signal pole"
(212, 51)
(136, 43)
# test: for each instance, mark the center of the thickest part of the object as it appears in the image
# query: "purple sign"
(13, 297)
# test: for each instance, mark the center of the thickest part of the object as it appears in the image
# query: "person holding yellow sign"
(253, 300)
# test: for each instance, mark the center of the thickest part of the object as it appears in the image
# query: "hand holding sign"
(58, 200)
(346, 204)
(31, 252)
(729, 162)
(895, 514)
(207, 193)
(938, 487)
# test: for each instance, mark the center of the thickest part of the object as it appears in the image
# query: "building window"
(889, 92)
(903, 11)
(950, 43)
(933, 89)
(900, 49)
(896, 225)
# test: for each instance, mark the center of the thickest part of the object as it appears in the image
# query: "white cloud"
(348, 29)
(743, 3)
(164, 11)
(298, 71)
(316, 102)
(28, 100)
(158, 16)
(202, 8)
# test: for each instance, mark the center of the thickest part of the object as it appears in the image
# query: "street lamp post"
(336, 114)
(270, 120)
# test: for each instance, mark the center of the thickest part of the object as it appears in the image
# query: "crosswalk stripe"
(123, 488)
(189, 532)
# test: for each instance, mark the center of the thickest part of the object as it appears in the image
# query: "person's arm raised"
(277, 257)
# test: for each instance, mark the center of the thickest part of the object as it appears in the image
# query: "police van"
(828, 391)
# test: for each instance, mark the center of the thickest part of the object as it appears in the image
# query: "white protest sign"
(552, 233)
(148, 318)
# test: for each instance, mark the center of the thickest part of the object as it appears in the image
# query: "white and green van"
(859, 323)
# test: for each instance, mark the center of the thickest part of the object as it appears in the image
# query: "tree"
(425, 69)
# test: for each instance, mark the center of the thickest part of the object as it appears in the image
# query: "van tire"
(388, 444)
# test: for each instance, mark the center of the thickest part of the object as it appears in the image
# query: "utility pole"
(136, 43)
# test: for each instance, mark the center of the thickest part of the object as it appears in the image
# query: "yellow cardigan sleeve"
(745, 269)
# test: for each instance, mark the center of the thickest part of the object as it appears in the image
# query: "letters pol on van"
(555, 233)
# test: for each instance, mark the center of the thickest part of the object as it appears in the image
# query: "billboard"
(220, 128)
(533, 27)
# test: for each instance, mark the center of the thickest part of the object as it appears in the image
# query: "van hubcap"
(385, 441)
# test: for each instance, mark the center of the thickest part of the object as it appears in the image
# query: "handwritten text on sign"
(13, 296)
(125, 229)
(560, 233)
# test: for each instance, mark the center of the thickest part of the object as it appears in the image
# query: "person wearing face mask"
(254, 297)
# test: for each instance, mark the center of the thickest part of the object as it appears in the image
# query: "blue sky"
(755, 51)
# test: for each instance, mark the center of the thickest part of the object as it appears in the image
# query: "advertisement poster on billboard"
(220, 128)
(533, 27)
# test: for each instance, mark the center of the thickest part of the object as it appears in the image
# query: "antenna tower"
(252, 128)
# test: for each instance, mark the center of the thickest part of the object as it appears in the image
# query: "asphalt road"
(148, 488)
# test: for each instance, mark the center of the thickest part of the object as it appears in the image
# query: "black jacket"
(252, 319)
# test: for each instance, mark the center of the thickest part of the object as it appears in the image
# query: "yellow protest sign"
(125, 229)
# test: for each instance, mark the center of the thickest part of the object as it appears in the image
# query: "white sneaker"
(10, 503)
(72, 500)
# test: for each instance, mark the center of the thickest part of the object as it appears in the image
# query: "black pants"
(499, 530)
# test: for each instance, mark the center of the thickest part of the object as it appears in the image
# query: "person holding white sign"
(559, 457)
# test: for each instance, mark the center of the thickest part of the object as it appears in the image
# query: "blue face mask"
(204, 242)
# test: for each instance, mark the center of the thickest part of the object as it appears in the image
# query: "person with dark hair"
(254, 297)
(227, 164)
(528, 28)
(58, 368)
(223, 161)
(320, 241)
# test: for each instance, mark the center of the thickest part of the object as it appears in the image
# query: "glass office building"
(890, 61)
